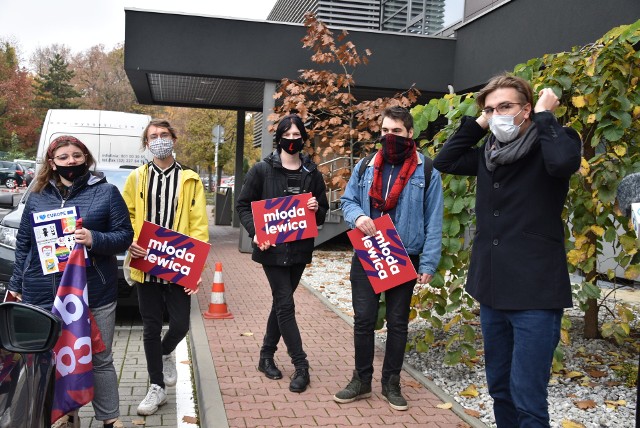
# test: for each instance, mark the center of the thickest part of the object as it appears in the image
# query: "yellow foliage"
(636, 111)
(566, 423)
(452, 322)
(573, 374)
(598, 230)
(578, 101)
(620, 150)
(444, 406)
(470, 391)
(575, 256)
(580, 241)
(632, 272)
(584, 167)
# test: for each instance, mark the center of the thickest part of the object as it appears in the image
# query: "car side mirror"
(27, 328)
(7, 200)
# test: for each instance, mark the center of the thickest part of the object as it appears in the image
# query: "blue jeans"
(365, 307)
(282, 319)
(518, 348)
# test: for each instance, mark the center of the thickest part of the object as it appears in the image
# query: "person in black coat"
(286, 171)
(65, 180)
(518, 270)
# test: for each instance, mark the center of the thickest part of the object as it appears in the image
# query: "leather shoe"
(299, 380)
(269, 368)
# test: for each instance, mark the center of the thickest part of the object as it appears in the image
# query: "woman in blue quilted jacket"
(65, 180)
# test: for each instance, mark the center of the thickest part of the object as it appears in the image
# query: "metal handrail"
(332, 194)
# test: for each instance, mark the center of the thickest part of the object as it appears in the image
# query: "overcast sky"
(80, 24)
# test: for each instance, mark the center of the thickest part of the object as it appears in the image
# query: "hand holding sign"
(264, 245)
(383, 255)
(169, 255)
(285, 219)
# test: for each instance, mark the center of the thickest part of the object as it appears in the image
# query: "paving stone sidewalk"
(252, 400)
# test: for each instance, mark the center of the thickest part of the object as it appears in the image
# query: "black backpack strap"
(428, 168)
(365, 162)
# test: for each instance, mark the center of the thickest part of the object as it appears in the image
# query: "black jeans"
(282, 320)
(152, 298)
(365, 307)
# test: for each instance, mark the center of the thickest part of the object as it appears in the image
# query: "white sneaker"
(169, 370)
(155, 398)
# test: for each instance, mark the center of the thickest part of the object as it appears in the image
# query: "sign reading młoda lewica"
(383, 255)
(171, 255)
(284, 219)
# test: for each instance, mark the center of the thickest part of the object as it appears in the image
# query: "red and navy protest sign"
(171, 255)
(73, 350)
(383, 255)
(284, 219)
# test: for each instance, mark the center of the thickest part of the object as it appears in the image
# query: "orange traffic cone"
(217, 307)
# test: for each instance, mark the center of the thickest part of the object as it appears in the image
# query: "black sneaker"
(391, 393)
(354, 391)
(299, 380)
(269, 368)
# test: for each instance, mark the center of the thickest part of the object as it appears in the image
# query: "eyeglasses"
(77, 156)
(502, 108)
(164, 135)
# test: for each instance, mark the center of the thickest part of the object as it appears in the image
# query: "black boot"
(391, 392)
(269, 368)
(299, 380)
(356, 389)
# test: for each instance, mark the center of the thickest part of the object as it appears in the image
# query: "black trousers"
(152, 298)
(365, 307)
(282, 319)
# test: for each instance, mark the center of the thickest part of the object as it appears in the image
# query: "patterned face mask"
(291, 145)
(161, 147)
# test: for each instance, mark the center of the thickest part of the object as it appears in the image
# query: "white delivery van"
(114, 138)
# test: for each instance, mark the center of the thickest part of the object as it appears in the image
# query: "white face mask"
(503, 128)
(161, 147)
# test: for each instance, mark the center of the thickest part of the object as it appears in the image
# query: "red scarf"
(395, 149)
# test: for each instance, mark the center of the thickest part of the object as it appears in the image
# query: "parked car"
(29, 169)
(12, 174)
(127, 295)
(27, 365)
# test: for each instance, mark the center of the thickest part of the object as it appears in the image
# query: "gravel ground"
(588, 380)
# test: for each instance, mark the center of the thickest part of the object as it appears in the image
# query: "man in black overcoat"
(518, 270)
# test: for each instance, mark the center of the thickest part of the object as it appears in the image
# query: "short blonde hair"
(160, 123)
(506, 81)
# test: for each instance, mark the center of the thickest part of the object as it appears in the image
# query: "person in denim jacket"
(393, 183)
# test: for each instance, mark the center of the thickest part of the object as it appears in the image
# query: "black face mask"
(71, 172)
(291, 146)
